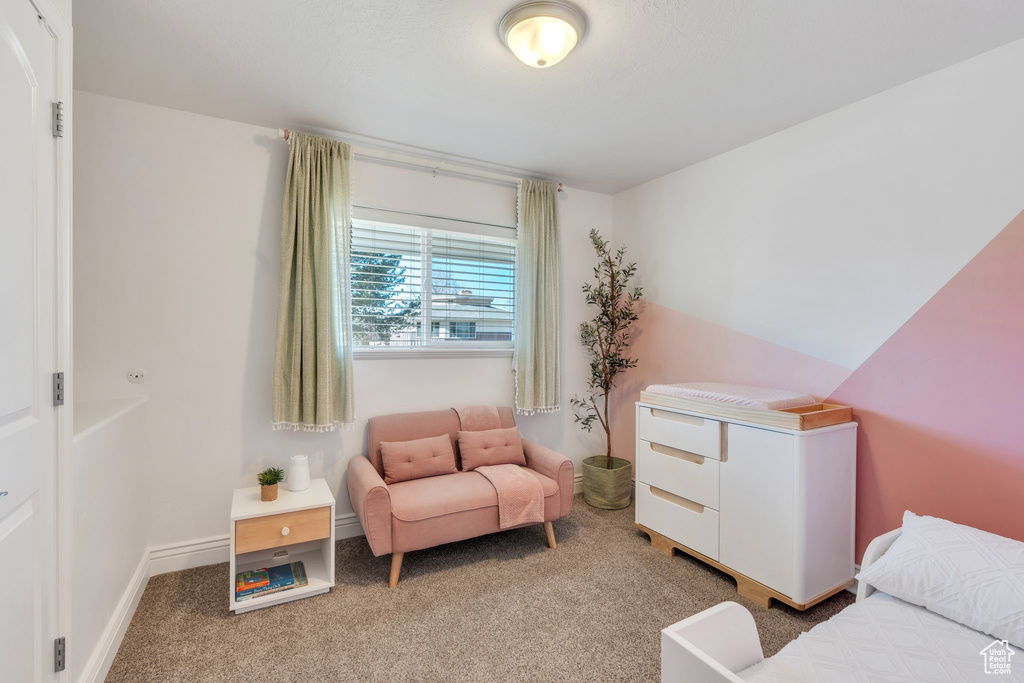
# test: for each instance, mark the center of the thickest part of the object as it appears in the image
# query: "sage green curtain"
(538, 338)
(313, 362)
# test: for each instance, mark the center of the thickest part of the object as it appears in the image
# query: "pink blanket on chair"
(520, 495)
(478, 418)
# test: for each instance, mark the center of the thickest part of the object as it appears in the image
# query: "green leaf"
(270, 476)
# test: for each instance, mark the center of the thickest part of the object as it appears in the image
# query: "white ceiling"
(655, 85)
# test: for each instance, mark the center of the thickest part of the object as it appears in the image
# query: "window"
(407, 279)
(463, 330)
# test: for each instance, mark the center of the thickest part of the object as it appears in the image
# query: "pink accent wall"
(941, 404)
(676, 347)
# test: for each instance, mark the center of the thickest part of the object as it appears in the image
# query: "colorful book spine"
(281, 578)
(252, 579)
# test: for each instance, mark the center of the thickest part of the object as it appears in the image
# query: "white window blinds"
(416, 287)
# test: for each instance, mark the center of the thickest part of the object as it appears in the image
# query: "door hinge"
(58, 388)
(58, 119)
(59, 654)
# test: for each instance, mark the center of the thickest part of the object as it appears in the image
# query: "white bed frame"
(716, 644)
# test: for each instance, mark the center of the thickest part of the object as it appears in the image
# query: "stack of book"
(268, 580)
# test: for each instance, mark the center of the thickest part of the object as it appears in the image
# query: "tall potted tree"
(606, 479)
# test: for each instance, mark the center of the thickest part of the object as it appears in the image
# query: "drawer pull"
(677, 417)
(677, 500)
(677, 453)
(285, 531)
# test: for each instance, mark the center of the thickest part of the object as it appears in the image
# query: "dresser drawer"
(273, 531)
(682, 520)
(684, 432)
(680, 472)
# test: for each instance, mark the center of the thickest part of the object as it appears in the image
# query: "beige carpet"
(499, 608)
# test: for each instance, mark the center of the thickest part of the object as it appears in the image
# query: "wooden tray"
(802, 418)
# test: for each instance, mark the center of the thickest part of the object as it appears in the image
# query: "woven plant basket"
(268, 493)
(604, 488)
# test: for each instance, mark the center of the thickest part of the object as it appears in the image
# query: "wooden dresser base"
(745, 586)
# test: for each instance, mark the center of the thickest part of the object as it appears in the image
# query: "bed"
(879, 638)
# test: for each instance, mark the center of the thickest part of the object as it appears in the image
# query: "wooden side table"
(297, 527)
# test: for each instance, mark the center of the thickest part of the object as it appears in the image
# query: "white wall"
(109, 535)
(826, 237)
(380, 183)
(177, 220)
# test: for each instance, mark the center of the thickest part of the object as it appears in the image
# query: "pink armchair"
(422, 513)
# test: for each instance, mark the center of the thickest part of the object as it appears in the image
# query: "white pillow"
(970, 576)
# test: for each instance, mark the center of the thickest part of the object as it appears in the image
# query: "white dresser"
(772, 507)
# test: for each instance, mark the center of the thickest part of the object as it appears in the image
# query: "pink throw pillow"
(491, 447)
(405, 460)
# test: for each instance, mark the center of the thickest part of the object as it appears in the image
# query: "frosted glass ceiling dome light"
(541, 33)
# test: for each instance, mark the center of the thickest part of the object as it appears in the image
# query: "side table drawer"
(273, 531)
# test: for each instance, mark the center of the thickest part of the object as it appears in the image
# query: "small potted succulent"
(607, 480)
(269, 479)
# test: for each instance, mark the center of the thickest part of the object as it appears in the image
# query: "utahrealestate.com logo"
(997, 657)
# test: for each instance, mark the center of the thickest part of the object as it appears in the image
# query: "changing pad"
(735, 394)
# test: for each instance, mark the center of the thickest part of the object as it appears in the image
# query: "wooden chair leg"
(551, 535)
(396, 569)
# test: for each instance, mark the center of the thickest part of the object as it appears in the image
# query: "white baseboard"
(171, 558)
(98, 664)
(347, 526)
(177, 556)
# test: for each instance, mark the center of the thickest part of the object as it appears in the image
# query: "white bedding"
(735, 394)
(883, 639)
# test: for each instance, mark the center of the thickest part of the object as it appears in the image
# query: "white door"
(27, 345)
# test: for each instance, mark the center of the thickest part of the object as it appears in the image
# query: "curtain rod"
(285, 134)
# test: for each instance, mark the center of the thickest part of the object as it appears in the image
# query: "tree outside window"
(379, 311)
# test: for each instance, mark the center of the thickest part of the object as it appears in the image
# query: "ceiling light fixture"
(542, 33)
